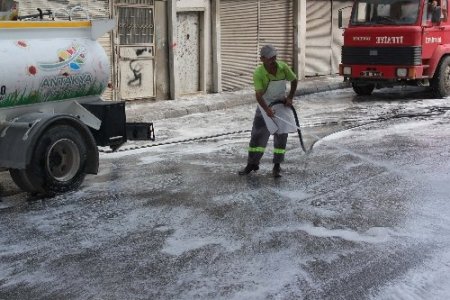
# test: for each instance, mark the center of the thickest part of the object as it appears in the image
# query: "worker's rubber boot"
(276, 171)
(248, 169)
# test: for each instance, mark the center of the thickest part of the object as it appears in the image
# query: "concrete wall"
(161, 51)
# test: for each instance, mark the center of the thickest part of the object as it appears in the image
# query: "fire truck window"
(383, 10)
(409, 12)
(396, 11)
(386, 12)
(361, 12)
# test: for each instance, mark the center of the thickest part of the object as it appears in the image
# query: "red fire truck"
(397, 42)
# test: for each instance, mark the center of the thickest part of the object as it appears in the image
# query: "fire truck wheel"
(363, 89)
(58, 162)
(440, 83)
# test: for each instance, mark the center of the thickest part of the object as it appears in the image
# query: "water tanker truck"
(52, 116)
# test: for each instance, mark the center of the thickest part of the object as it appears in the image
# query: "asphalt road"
(363, 216)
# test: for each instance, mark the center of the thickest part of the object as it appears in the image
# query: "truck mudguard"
(438, 54)
(23, 133)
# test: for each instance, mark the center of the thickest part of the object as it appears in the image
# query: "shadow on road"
(405, 93)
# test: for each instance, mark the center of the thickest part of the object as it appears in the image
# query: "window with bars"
(137, 2)
(135, 25)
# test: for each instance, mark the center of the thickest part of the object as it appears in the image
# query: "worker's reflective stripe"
(279, 151)
(256, 149)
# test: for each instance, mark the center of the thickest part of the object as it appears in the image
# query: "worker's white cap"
(268, 51)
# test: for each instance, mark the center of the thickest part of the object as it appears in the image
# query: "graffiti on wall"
(136, 72)
(136, 69)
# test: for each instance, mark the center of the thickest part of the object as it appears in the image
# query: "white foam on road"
(373, 235)
(430, 281)
(178, 245)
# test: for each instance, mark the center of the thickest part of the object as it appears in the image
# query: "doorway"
(189, 56)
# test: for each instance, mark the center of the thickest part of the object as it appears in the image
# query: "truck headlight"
(402, 72)
(347, 70)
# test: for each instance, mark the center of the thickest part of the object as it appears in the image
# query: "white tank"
(51, 61)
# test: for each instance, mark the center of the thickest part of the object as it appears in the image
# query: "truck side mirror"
(340, 18)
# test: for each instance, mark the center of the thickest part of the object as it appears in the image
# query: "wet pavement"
(363, 216)
(145, 111)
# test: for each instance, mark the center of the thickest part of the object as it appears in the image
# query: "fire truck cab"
(397, 42)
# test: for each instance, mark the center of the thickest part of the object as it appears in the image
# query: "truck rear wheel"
(58, 162)
(440, 84)
(363, 89)
(22, 180)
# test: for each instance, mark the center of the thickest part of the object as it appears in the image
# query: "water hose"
(297, 123)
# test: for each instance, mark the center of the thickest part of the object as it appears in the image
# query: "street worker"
(269, 80)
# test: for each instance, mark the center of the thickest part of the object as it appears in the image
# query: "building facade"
(161, 49)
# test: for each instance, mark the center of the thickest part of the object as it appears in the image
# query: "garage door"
(245, 27)
(239, 42)
(277, 27)
(318, 38)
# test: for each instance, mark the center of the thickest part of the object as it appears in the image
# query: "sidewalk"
(152, 110)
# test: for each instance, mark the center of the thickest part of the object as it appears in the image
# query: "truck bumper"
(114, 130)
(381, 73)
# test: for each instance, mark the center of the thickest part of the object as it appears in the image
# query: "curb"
(146, 113)
(322, 88)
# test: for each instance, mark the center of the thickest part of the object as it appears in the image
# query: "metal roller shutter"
(239, 42)
(97, 10)
(245, 27)
(318, 38)
(277, 27)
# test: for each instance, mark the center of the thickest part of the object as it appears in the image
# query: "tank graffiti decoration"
(47, 69)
